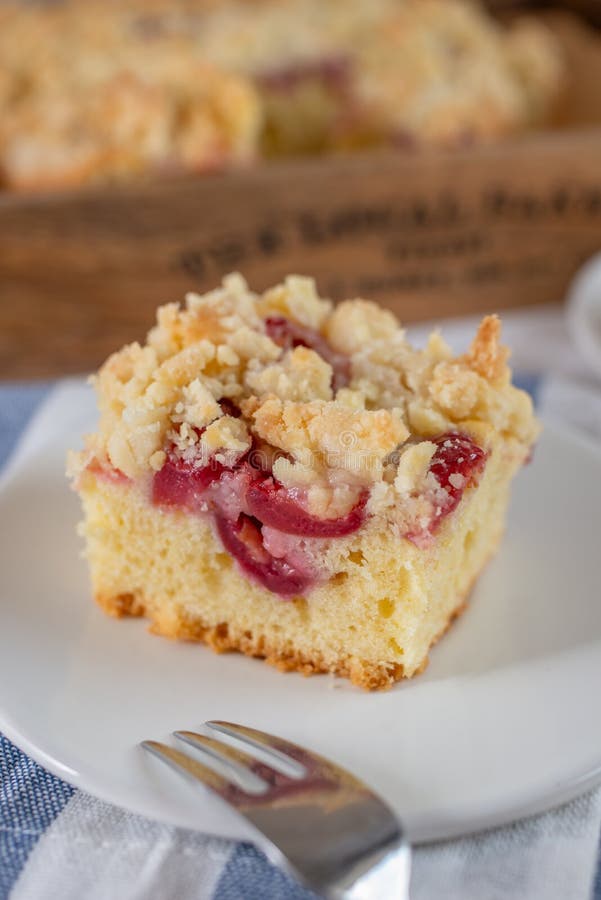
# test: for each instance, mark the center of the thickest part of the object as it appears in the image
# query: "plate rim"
(575, 787)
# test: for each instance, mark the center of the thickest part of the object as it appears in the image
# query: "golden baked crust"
(103, 90)
(223, 638)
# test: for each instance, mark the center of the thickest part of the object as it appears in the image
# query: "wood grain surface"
(430, 236)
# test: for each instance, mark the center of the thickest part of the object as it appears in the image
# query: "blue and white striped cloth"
(57, 843)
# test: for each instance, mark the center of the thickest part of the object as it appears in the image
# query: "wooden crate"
(430, 235)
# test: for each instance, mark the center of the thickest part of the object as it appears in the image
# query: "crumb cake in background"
(292, 479)
(101, 90)
(87, 95)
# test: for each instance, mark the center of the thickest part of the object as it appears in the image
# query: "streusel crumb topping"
(177, 86)
(337, 394)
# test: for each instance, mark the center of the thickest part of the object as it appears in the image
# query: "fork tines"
(327, 827)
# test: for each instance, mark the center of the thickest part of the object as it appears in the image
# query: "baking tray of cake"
(429, 232)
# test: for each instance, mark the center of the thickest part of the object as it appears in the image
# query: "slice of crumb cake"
(279, 476)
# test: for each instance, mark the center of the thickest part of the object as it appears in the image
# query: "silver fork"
(314, 819)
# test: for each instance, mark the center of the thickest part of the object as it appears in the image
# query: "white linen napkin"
(100, 852)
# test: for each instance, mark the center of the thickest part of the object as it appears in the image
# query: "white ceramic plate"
(504, 722)
(584, 312)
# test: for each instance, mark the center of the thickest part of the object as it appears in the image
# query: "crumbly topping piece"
(211, 381)
(295, 299)
(302, 375)
(413, 467)
(215, 316)
(198, 406)
(225, 436)
(157, 460)
(455, 389)
(330, 434)
(486, 355)
(355, 324)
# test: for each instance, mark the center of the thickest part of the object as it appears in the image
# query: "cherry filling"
(181, 483)
(457, 454)
(456, 465)
(288, 334)
(244, 498)
(242, 538)
(275, 505)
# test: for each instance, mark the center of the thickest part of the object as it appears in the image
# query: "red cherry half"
(456, 454)
(275, 506)
(179, 483)
(244, 541)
